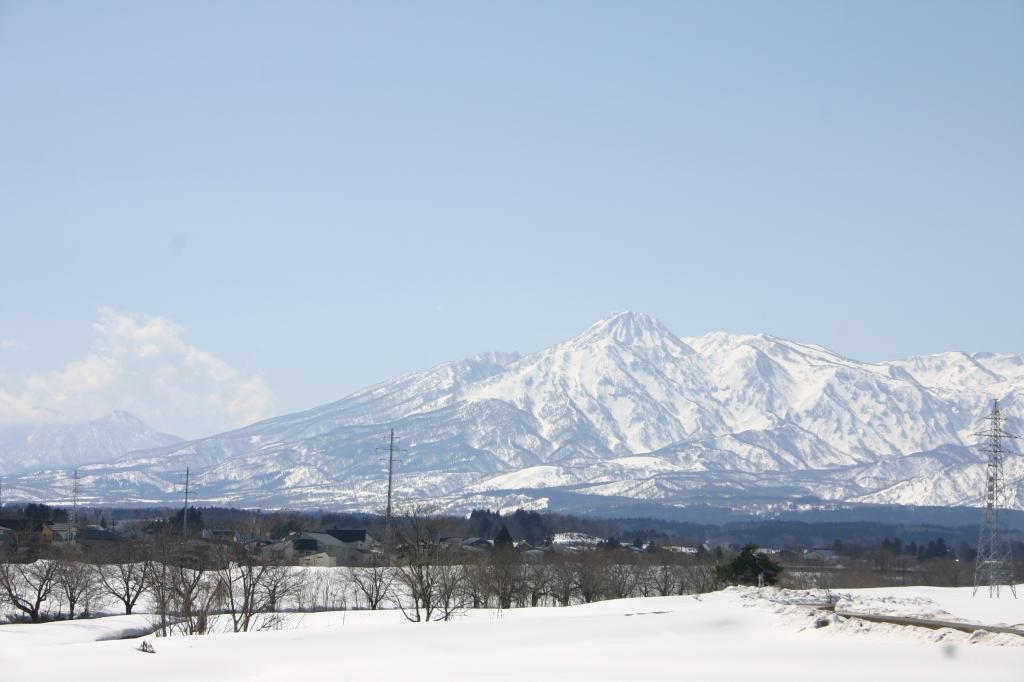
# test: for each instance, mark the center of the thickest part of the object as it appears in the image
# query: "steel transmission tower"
(994, 567)
(184, 515)
(76, 489)
(391, 450)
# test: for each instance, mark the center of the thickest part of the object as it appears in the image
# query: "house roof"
(96, 534)
(304, 544)
(323, 539)
(476, 542)
(347, 535)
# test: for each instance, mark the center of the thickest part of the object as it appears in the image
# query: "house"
(826, 554)
(221, 534)
(15, 525)
(575, 542)
(680, 549)
(346, 546)
(56, 533)
(7, 537)
(476, 544)
(535, 554)
(14, 532)
(97, 538)
(317, 559)
(355, 539)
(343, 546)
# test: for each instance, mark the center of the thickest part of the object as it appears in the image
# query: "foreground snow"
(729, 635)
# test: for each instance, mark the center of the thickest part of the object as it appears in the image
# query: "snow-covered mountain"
(626, 409)
(60, 442)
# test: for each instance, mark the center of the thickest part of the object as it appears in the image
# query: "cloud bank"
(142, 364)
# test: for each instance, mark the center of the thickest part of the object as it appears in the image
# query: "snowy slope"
(625, 409)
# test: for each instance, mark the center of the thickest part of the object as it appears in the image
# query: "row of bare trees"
(45, 588)
(237, 589)
(430, 581)
(235, 586)
(182, 592)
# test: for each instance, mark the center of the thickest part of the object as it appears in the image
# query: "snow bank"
(724, 636)
(74, 631)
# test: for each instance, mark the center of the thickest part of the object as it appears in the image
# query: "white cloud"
(143, 365)
(8, 344)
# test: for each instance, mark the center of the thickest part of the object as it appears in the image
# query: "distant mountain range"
(62, 442)
(626, 410)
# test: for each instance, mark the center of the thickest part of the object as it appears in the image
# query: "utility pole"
(994, 565)
(73, 520)
(391, 450)
(184, 516)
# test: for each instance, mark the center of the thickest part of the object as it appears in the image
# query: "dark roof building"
(347, 535)
(17, 525)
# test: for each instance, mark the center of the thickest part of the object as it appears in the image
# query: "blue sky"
(318, 196)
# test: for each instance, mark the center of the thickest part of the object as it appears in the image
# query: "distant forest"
(536, 528)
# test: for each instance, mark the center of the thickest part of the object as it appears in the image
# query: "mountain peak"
(121, 416)
(628, 328)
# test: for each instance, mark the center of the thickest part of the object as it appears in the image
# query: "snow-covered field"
(731, 635)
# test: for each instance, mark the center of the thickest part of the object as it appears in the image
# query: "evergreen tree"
(747, 567)
(503, 538)
(195, 521)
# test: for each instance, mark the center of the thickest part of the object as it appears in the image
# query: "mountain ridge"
(624, 407)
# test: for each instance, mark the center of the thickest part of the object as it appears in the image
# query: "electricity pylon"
(76, 489)
(391, 450)
(994, 566)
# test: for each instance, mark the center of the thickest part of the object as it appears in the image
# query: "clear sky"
(260, 207)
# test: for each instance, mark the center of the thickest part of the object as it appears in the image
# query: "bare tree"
(160, 589)
(373, 583)
(426, 584)
(184, 589)
(127, 579)
(643, 578)
(450, 596)
(666, 579)
(699, 575)
(591, 574)
(76, 582)
(280, 584)
(196, 593)
(537, 582)
(562, 580)
(619, 579)
(250, 585)
(320, 589)
(27, 587)
(508, 577)
(476, 581)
